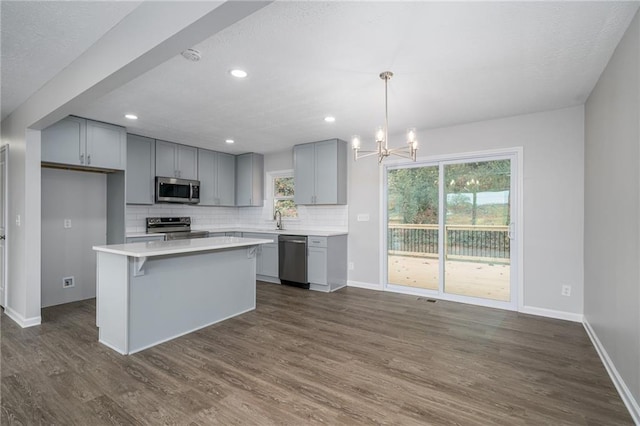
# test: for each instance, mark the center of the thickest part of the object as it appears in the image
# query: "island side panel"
(182, 293)
(112, 300)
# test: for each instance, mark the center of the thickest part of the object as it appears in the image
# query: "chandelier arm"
(358, 154)
(403, 155)
(400, 149)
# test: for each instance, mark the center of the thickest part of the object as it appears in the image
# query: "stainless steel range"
(174, 228)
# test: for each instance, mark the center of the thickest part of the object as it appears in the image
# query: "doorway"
(451, 229)
(4, 153)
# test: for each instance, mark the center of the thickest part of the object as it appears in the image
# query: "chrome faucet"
(277, 216)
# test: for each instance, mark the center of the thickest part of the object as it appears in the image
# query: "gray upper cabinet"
(217, 176)
(106, 145)
(79, 142)
(141, 169)
(249, 180)
(175, 160)
(320, 172)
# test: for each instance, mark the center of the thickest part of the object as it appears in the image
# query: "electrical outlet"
(351, 266)
(363, 217)
(68, 282)
(18, 220)
(67, 223)
(566, 290)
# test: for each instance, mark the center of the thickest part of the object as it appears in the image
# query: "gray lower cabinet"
(327, 262)
(175, 160)
(320, 172)
(141, 169)
(249, 180)
(267, 257)
(89, 144)
(217, 176)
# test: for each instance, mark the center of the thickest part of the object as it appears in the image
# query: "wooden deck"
(485, 280)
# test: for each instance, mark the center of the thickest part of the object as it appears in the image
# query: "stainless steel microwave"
(172, 190)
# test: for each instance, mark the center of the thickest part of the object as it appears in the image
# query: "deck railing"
(473, 242)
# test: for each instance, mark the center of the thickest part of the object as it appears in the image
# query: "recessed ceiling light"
(229, 141)
(238, 73)
(131, 116)
(329, 119)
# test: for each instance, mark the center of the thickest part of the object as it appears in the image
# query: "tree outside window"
(283, 196)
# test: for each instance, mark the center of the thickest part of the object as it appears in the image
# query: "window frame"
(272, 176)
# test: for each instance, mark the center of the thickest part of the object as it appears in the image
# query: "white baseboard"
(551, 313)
(20, 320)
(368, 286)
(623, 390)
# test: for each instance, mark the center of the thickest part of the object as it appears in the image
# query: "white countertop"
(162, 248)
(308, 232)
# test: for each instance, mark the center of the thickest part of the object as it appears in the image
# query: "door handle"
(512, 231)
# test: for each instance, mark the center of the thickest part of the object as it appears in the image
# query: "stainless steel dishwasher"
(292, 260)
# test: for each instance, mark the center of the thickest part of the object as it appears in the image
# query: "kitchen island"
(152, 292)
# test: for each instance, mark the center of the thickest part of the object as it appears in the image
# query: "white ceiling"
(40, 38)
(454, 62)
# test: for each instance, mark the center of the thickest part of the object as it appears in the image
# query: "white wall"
(612, 213)
(553, 201)
(81, 197)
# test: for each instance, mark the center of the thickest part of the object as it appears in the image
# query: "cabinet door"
(243, 180)
(304, 172)
(249, 180)
(165, 159)
(270, 260)
(207, 176)
(141, 169)
(106, 146)
(326, 176)
(187, 163)
(226, 179)
(64, 142)
(317, 265)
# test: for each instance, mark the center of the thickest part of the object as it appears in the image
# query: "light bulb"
(355, 142)
(411, 135)
(380, 134)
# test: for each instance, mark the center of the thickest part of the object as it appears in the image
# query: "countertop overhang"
(307, 232)
(163, 248)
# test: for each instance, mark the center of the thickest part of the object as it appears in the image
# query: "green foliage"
(286, 207)
(283, 187)
(413, 195)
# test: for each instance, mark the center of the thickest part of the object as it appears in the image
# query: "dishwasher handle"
(295, 241)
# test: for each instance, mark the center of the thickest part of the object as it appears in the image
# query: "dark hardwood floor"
(302, 357)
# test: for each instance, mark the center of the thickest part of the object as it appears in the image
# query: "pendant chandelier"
(382, 136)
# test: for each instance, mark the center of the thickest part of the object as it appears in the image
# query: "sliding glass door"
(450, 230)
(412, 232)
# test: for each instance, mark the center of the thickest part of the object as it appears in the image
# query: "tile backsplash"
(309, 217)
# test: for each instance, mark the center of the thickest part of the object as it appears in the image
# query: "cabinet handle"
(81, 158)
(88, 158)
